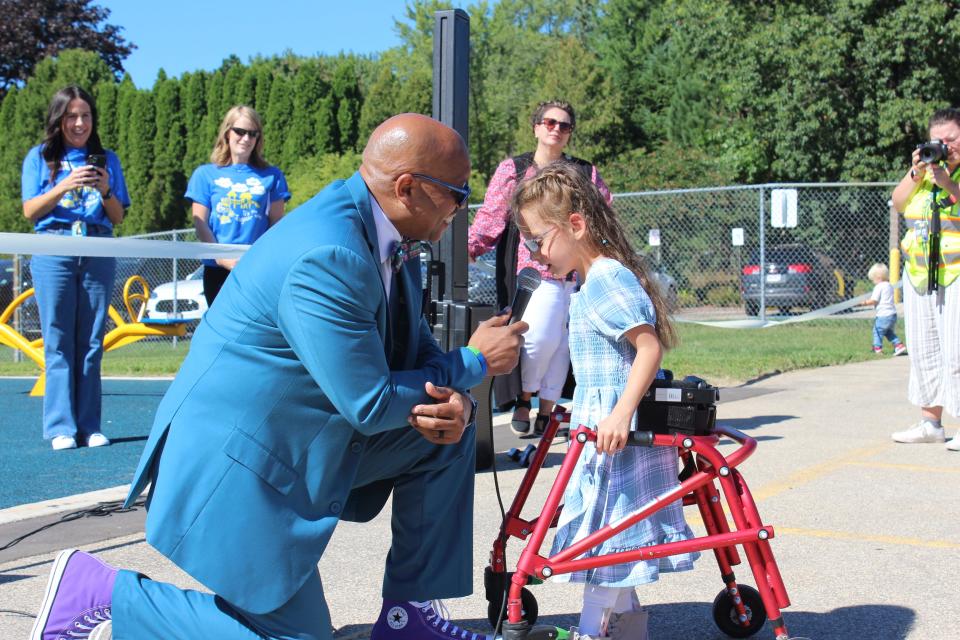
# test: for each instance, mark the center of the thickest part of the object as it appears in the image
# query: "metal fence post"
(763, 265)
(16, 289)
(176, 237)
(894, 244)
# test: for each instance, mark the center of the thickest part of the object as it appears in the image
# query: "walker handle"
(640, 439)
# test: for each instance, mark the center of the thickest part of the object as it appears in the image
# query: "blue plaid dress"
(605, 488)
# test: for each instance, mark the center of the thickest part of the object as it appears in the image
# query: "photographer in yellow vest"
(927, 196)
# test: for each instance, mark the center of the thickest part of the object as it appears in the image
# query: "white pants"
(933, 338)
(545, 358)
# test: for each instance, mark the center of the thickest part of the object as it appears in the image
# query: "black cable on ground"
(102, 509)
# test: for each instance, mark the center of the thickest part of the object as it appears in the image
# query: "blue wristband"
(483, 361)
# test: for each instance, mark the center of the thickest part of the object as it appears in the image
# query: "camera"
(97, 160)
(933, 151)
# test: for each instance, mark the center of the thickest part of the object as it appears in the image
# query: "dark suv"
(794, 276)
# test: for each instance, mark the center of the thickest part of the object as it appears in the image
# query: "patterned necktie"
(403, 251)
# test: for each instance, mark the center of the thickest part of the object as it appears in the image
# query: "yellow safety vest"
(916, 242)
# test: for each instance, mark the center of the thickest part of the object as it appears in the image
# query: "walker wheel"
(725, 612)
(528, 607)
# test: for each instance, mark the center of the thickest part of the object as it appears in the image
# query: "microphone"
(527, 281)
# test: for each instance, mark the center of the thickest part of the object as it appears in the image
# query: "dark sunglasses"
(460, 194)
(253, 133)
(553, 123)
(534, 244)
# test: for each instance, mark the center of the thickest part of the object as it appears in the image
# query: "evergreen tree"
(325, 125)
(247, 86)
(264, 78)
(380, 102)
(346, 92)
(277, 122)
(126, 97)
(137, 168)
(105, 93)
(11, 159)
(214, 111)
(308, 90)
(234, 90)
(167, 182)
(193, 103)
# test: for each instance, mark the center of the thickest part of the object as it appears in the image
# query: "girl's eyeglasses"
(553, 123)
(535, 243)
(460, 194)
(253, 133)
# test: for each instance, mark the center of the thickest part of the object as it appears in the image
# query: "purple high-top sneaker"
(78, 597)
(401, 620)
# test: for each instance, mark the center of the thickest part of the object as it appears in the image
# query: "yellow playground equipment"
(125, 332)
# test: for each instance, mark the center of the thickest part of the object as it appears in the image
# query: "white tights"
(600, 602)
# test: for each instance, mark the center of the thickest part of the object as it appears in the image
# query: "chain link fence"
(716, 252)
(719, 255)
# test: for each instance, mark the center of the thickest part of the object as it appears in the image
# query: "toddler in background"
(882, 299)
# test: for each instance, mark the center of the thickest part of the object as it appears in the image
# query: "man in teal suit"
(308, 396)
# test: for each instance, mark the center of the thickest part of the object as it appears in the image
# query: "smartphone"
(98, 160)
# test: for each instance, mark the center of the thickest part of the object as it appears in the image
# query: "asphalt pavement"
(867, 532)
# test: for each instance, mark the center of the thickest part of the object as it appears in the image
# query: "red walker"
(739, 611)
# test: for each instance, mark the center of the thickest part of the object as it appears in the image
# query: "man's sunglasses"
(534, 244)
(460, 194)
(253, 133)
(553, 123)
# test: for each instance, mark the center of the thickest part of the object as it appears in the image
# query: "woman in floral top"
(545, 359)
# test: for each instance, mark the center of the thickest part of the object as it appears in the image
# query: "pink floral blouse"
(494, 215)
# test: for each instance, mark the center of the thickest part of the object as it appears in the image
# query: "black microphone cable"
(100, 510)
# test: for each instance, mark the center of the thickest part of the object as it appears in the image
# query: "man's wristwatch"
(473, 408)
(106, 196)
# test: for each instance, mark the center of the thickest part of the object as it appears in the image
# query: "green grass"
(722, 356)
(733, 356)
(139, 359)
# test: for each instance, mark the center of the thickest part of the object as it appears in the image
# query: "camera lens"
(933, 151)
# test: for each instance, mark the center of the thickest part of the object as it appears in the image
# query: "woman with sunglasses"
(236, 197)
(72, 186)
(545, 359)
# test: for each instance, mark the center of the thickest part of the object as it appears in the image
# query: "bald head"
(411, 143)
(408, 144)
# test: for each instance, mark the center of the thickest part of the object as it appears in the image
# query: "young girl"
(618, 331)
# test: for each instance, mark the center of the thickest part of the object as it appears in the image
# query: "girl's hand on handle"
(613, 433)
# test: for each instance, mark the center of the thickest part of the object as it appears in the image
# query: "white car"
(190, 302)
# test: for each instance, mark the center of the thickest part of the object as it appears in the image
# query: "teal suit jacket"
(256, 444)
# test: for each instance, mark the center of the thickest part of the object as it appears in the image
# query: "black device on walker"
(687, 406)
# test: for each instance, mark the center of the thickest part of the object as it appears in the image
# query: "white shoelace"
(439, 617)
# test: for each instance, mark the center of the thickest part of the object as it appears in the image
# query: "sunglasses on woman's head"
(253, 133)
(553, 123)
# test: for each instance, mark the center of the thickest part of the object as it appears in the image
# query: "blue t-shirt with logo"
(239, 198)
(84, 203)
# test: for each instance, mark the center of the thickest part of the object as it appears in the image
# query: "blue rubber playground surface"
(30, 471)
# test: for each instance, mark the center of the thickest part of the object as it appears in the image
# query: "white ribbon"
(59, 245)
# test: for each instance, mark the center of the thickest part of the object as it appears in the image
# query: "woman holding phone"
(72, 186)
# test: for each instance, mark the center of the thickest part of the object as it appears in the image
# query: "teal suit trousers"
(424, 561)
